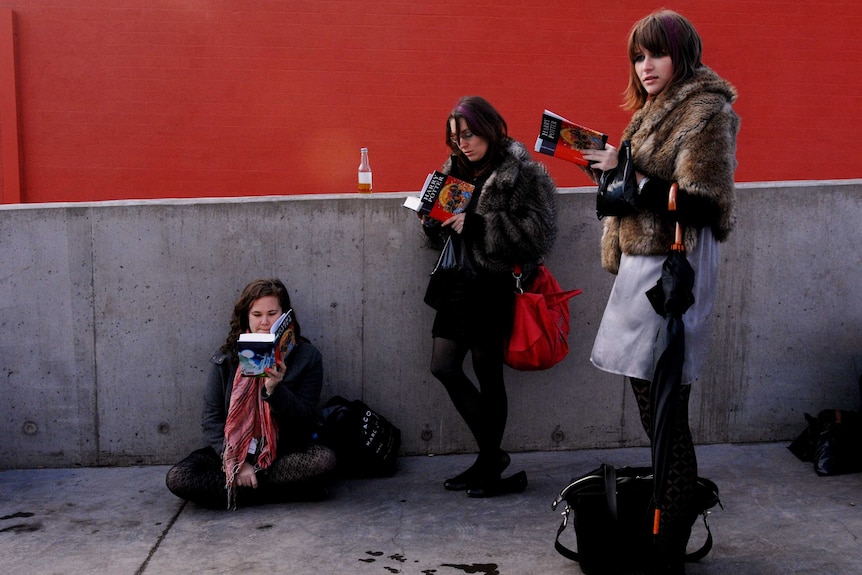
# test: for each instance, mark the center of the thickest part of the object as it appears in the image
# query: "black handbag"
(612, 514)
(618, 188)
(450, 281)
(455, 256)
(832, 441)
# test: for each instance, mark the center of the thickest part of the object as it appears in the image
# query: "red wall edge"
(10, 150)
(141, 99)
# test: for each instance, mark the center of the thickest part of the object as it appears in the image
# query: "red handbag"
(540, 328)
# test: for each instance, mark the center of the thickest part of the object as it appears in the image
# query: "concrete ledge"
(110, 311)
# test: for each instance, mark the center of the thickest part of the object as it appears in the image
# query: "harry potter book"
(563, 139)
(442, 196)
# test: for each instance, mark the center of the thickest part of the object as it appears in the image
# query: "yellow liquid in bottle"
(364, 183)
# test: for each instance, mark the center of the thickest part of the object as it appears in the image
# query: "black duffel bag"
(612, 512)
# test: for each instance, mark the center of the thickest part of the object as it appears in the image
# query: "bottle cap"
(363, 150)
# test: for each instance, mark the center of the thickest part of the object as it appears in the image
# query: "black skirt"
(471, 308)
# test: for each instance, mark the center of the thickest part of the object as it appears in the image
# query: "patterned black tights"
(298, 475)
(676, 511)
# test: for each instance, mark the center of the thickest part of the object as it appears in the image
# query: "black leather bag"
(832, 441)
(365, 443)
(451, 279)
(612, 514)
(618, 188)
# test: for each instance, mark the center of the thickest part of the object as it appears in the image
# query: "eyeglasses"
(466, 135)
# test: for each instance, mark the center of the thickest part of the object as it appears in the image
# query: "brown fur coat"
(687, 134)
(515, 219)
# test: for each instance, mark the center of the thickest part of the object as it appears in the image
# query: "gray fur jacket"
(515, 219)
(687, 134)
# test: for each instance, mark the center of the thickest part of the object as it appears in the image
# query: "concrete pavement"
(779, 517)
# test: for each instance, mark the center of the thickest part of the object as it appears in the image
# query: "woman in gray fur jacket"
(683, 130)
(511, 219)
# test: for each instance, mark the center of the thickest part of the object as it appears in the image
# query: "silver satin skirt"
(626, 341)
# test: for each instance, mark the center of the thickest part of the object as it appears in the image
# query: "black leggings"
(484, 408)
(297, 475)
(677, 512)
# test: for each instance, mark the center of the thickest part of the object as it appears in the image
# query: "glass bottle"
(364, 172)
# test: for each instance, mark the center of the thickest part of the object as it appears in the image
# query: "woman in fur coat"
(683, 130)
(511, 219)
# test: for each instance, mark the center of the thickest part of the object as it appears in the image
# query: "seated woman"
(259, 429)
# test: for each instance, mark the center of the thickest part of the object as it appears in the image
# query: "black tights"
(677, 512)
(484, 408)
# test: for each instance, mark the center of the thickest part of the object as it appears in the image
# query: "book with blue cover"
(259, 351)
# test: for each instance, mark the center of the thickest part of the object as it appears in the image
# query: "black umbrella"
(671, 297)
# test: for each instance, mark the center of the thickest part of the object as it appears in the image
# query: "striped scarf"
(248, 417)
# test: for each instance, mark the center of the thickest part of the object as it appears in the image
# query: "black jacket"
(293, 402)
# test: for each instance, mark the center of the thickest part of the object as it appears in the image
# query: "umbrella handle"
(678, 245)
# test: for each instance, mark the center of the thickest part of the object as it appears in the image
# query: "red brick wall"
(157, 98)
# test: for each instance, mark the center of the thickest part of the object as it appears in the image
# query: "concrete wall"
(110, 311)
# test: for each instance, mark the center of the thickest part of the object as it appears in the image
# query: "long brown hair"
(483, 120)
(662, 32)
(250, 294)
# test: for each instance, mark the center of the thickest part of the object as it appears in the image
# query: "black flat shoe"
(515, 483)
(483, 470)
(462, 481)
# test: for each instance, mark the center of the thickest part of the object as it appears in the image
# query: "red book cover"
(562, 139)
(442, 196)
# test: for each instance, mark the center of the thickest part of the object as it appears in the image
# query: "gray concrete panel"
(48, 370)
(111, 310)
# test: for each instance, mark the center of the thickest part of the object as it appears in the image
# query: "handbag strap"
(695, 556)
(562, 549)
(552, 298)
(440, 257)
(610, 474)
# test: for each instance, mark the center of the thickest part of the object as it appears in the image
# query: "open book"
(258, 351)
(442, 196)
(562, 139)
